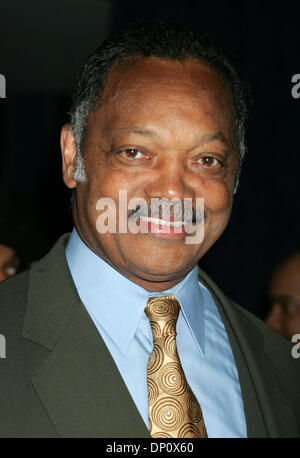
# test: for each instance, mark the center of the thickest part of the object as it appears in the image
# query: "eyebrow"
(137, 130)
(207, 138)
(219, 136)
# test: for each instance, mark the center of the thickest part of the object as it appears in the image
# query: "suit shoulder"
(259, 324)
(276, 348)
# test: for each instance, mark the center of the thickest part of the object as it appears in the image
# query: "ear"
(68, 151)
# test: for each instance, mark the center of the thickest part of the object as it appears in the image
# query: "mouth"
(161, 227)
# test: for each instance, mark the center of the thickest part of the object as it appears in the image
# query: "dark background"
(42, 46)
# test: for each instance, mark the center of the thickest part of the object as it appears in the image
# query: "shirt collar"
(118, 303)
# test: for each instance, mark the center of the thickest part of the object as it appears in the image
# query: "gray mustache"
(163, 209)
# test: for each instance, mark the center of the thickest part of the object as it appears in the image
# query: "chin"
(163, 272)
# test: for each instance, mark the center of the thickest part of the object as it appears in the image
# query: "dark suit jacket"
(59, 380)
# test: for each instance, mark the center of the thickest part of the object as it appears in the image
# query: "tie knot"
(163, 313)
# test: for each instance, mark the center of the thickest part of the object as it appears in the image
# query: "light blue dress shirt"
(116, 305)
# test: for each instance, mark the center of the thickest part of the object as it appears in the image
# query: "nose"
(168, 181)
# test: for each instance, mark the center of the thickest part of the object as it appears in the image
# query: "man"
(284, 297)
(159, 114)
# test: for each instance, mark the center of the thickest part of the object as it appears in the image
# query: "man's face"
(284, 297)
(163, 130)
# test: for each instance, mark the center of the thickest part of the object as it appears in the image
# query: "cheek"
(103, 183)
(218, 199)
(217, 205)
(108, 194)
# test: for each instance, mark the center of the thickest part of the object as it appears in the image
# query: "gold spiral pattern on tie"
(192, 407)
(170, 347)
(171, 379)
(167, 413)
(174, 411)
(153, 391)
(162, 435)
(156, 329)
(169, 328)
(161, 309)
(156, 359)
(189, 430)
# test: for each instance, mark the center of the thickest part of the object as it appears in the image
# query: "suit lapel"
(78, 383)
(267, 409)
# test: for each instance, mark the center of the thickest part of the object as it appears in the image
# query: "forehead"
(191, 73)
(145, 87)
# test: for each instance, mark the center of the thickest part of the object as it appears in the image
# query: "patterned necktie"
(173, 408)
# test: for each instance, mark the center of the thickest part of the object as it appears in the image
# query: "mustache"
(164, 209)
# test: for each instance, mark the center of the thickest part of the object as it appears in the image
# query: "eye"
(289, 307)
(132, 153)
(209, 161)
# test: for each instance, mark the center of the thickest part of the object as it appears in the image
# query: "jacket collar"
(78, 383)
